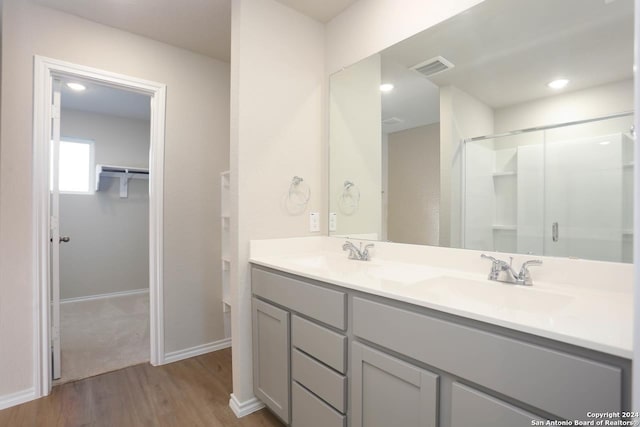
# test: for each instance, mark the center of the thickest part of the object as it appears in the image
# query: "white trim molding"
(175, 356)
(45, 69)
(242, 409)
(13, 399)
(103, 296)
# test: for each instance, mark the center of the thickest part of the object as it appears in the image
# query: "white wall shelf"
(505, 173)
(503, 227)
(225, 225)
(124, 173)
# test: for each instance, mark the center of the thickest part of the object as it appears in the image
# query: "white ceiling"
(320, 10)
(505, 52)
(202, 26)
(106, 100)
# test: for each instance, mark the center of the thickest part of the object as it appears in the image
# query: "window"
(76, 168)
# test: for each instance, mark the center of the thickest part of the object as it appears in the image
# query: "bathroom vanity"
(336, 352)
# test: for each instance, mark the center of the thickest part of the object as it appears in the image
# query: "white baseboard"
(13, 399)
(101, 296)
(242, 409)
(174, 356)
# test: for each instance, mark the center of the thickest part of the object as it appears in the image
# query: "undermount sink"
(315, 262)
(439, 286)
(403, 273)
(498, 296)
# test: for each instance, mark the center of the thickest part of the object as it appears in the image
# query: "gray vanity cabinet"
(326, 356)
(300, 349)
(386, 391)
(271, 357)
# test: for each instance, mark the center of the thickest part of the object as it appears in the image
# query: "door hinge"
(53, 223)
(55, 111)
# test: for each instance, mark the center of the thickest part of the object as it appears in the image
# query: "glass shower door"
(588, 190)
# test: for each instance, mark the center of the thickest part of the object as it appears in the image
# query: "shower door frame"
(463, 170)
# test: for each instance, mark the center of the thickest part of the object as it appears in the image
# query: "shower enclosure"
(561, 190)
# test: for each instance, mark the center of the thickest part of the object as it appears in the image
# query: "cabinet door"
(471, 407)
(271, 380)
(389, 392)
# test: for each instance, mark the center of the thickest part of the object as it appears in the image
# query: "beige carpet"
(103, 335)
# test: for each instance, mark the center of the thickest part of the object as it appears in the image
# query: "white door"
(55, 231)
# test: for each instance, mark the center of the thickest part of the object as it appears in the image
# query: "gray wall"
(109, 247)
(274, 136)
(196, 151)
(414, 185)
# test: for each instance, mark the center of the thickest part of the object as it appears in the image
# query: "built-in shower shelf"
(506, 173)
(504, 227)
(628, 164)
(627, 232)
(124, 173)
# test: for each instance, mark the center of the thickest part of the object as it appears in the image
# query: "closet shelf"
(124, 173)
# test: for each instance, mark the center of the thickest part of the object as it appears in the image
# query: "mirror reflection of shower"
(559, 190)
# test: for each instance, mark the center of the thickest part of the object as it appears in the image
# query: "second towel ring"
(349, 200)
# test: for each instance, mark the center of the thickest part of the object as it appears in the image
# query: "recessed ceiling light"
(386, 87)
(76, 87)
(558, 84)
(605, 143)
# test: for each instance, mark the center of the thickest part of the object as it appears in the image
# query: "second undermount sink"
(491, 295)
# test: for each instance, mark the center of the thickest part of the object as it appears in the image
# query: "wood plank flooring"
(192, 392)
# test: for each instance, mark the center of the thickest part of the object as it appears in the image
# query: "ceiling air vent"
(433, 66)
(392, 121)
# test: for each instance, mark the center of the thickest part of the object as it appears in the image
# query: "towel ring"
(299, 191)
(349, 200)
(295, 200)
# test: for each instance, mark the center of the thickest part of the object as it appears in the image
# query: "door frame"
(44, 71)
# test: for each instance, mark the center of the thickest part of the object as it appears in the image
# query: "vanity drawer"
(565, 385)
(325, 305)
(309, 411)
(470, 407)
(324, 382)
(327, 346)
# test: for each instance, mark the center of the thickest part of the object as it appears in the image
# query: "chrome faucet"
(358, 253)
(501, 271)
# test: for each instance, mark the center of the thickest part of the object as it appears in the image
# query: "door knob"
(64, 239)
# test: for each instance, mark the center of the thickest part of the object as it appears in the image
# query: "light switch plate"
(314, 222)
(333, 221)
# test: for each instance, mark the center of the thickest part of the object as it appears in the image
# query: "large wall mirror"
(505, 128)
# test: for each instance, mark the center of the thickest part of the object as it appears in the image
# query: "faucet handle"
(365, 251)
(531, 262)
(525, 275)
(495, 266)
(490, 258)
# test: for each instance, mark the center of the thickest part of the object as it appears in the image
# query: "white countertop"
(586, 316)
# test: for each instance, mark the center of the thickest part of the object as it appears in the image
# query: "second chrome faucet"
(501, 271)
(358, 253)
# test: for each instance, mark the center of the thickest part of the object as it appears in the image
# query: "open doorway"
(49, 75)
(102, 168)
